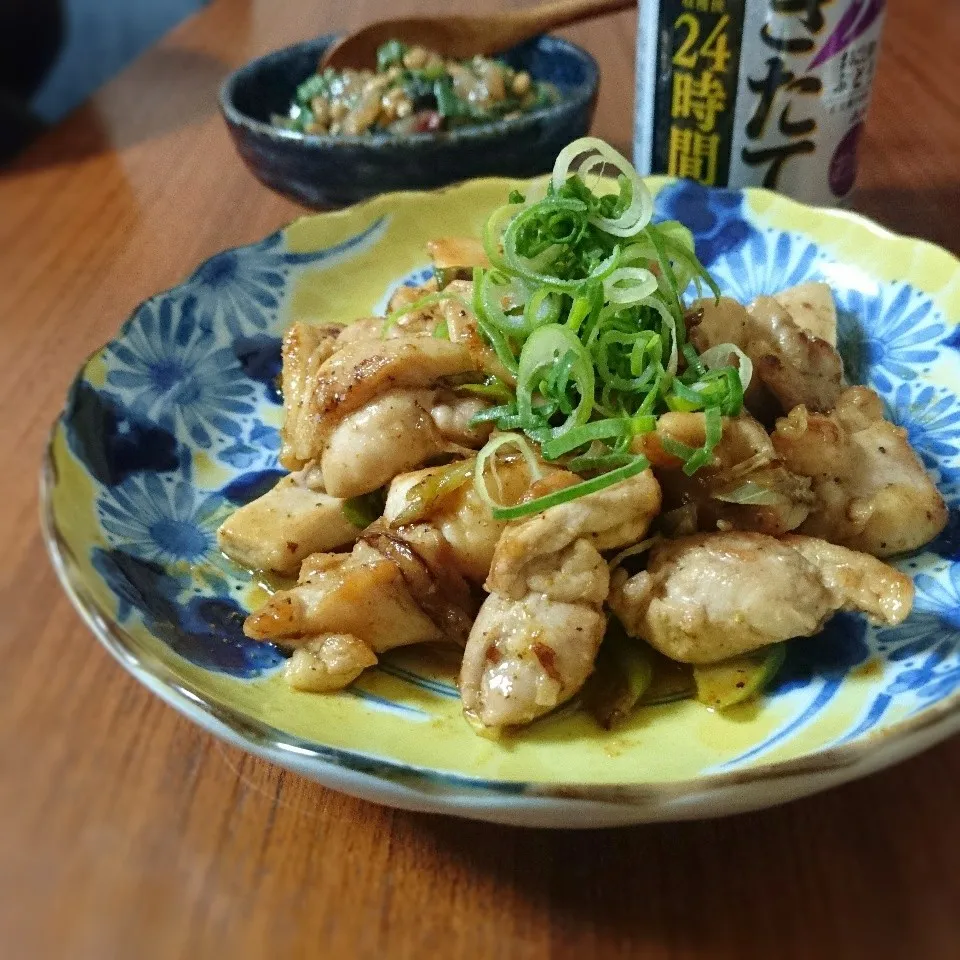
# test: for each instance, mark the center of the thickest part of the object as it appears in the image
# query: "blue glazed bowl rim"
(578, 97)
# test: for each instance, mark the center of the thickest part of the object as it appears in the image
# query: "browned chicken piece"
(393, 590)
(607, 520)
(453, 415)
(368, 447)
(460, 516)
(462, 328)
(358, 373)
(405, 296)
(328, 663)
(455, 257)
(534, 642)
(526, 657)
(709, 597)
(418, 323)
(812, 308)
(872, 492)
(276, 531)
(795, 366)
(397, 432)
(361, 593)
(792, 365)
(746, 487)
(305, 347)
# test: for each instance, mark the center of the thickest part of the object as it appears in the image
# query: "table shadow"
(164, 91)
(774, 883)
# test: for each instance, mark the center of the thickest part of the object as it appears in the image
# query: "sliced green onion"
(703, 456)
(545, 346)
(629, 285)
(640, 209)
(363, 510)
(492, 388)
(427, 491)
(582, 435)
(582, 489)
(582, 304)
(500, 295)
(490, 449)
(719, 356)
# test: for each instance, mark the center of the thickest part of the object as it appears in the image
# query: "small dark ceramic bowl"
(323, 171)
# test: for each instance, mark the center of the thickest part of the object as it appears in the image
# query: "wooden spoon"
(461, 37)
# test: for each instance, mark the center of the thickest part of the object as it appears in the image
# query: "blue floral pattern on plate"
(191, 380)
(887, 335)
(171, 369)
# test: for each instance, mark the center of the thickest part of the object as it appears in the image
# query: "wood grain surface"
(125, 832)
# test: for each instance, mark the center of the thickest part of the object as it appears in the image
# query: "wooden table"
(126, 833)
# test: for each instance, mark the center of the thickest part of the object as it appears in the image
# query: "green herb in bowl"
(412, 90)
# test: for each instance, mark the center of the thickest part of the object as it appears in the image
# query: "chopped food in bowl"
(412, 90)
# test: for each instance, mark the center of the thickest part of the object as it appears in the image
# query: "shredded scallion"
(583, 302)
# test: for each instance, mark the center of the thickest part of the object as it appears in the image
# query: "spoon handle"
(561, 13)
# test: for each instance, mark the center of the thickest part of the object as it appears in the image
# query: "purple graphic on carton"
(860, 16)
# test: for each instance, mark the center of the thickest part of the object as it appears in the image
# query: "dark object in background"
(322, 171)
(31, 34)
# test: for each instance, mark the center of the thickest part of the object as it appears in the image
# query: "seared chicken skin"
(792, 364)
(871, 490)
(536, 637)
(401, 585)
(347, 608)
(278, 530)
(713, 596)
(370, 401)
(358, 373)
(745, 467)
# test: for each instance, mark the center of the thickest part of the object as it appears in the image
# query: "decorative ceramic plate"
(175, 422)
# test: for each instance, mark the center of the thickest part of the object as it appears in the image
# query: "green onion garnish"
(583, 304)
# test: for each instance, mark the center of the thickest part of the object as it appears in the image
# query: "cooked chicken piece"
(358, 373)
(525, 657)
(327, 663)
(712, 596)
(393, 590)
(305, 347)
(395, 433)
(368, 447)
(460, 516)
(452, 416)
(862, 582)
(607, 519)
(427, 562)
(535, 640)
(276, 531)
(420, 322)
(791, 365)
(795, 366)
(455, 257)
(872, 492)
(415, 324)
(405, 296)
(363, 594)
(462, 328)
(812, 308)
(745, 468)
